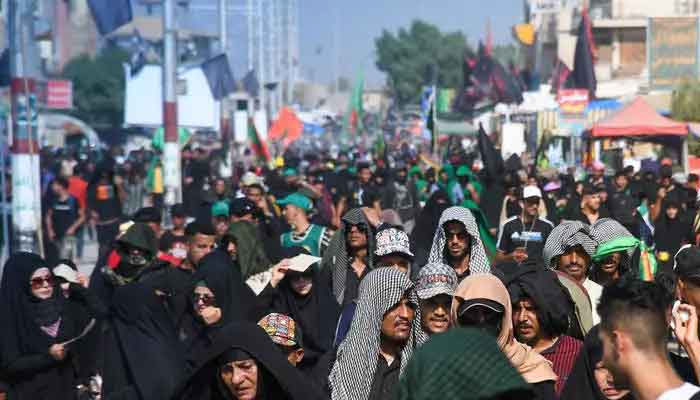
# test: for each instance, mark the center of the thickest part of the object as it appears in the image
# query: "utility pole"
(251, 41)
(225, 122)
(171, 149)
(261, 55)
(26, 184)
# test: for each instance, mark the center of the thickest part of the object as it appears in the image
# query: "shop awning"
(638, 118)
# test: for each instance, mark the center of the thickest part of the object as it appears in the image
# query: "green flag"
(353, 118)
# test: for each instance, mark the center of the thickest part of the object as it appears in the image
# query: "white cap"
(531, 191)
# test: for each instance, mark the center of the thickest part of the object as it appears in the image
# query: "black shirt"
(63, 215)
(104, 199)
(514, 234)
(386, 379)
(352, 284)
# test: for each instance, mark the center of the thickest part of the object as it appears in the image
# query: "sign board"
(545, 6)
(59, 94)
(673, 51)
(573, 101)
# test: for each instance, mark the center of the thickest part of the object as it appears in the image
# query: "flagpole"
(171, 148)
(224, 121)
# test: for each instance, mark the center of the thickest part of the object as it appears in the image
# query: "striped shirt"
(563, 354)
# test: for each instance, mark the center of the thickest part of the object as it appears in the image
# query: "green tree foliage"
(685, 106)
(406, 57)
(98, 88)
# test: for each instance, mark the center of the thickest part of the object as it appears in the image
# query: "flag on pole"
(492, 159)
(353, 119)
(258, 145)
(110, 14)
(583, 74)
(219, 76)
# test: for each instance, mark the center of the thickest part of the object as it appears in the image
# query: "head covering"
(582, 384)
(297, 199)
(178, 210)
(148, 335)
(460, 364)
(142, 237)
(242, 206)
(278, 378)
(435, 279)
(250, 249)
(478, 263)
(392, 240)
(220, 209)
(235, 299)
(426, 223)
(21, 313)
(565, 236)
(605, 230)
(554, 305)
(532, 366)
(148, 214)
(282, 329)
(356, 361)
(336, 257)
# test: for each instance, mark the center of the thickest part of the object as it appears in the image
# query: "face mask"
(136, 260)
(179, 253)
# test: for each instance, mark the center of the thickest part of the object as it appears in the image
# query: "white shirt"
(594, 292)
(682, 392)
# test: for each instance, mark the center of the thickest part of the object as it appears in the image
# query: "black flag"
(219, 76)
(110, 14)
(583, 75)
(251, 84)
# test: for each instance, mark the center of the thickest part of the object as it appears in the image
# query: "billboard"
(672, 51)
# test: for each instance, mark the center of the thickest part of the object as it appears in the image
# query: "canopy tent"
(637, 118)
(455, 128)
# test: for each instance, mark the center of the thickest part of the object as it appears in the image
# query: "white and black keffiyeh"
(566, 235)
(607, 229)
(336, 256)
(478, 262)
(356, 360)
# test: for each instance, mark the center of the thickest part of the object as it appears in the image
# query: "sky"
(361, 21)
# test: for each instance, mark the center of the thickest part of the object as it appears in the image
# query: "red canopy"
(638, 118)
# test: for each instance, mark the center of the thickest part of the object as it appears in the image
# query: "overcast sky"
(361, 21)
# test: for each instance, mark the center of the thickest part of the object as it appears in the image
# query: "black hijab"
(148, 341)
(581, 384)
(426, 225)
(21, 313)
(235, 299)
(316, 314)
(277, 378)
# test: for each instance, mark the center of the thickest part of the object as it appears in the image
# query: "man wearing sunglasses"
(523, 237)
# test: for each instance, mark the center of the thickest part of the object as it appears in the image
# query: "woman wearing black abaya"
(426, 225)
(590, 380)
(261, 371)
(219, 297)
(148, 364)
(671, 232)
(304, 298)
(36, 319)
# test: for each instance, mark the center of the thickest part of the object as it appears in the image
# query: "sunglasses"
(463, 235)
(206, 299)
(532, 202)
(39, 281)
(360, 227)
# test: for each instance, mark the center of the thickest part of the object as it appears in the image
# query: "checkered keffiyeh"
(607, 229)
(566, 235)
(435, 279)
(356, 360)
(478, 262)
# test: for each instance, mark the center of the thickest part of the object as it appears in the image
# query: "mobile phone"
(684, 315)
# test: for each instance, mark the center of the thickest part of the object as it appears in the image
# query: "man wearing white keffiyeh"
(457, 243)
(570, 248)
(384, 332)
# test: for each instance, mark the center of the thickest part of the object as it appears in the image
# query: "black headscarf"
(235, 299)
(148, 341)
(581, 384)
(554, 305)
(426, 225)
(21, 313)
(316, 314)
(277, 378)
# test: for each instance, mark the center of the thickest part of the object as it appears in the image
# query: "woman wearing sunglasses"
(36, 320)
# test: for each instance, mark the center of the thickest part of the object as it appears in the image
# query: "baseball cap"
(220, 209)
(289, 172)
(531, 191)
(242, 206)
(282, 329)
(147, 214)
(392, 240)
(487, 303)
(297, 199)
(178, 210)
(435, 279)
(249, 178)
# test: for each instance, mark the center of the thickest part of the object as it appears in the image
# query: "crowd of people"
(422, 281)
